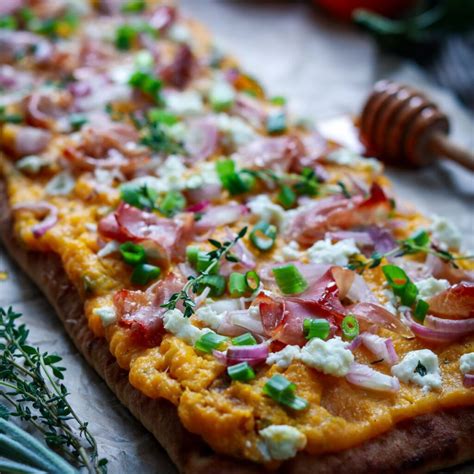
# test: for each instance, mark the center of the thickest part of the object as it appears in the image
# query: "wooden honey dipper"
(401, 126)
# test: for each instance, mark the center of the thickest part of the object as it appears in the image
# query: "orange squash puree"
(229, 415)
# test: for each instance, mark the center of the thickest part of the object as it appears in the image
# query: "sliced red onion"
(458, 326)
(220, 356)
(30, 141)
(198, 207)
(41, 207)
(220, 215)
(199, 300)
(380, 347)
(382, 239)
(366, 377)
(429, 334)
(355, 343)
(360, 237)
(244, 319)
(468, 380)
(201, 140)
(254, 355)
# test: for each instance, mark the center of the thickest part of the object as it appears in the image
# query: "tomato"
(343, 8)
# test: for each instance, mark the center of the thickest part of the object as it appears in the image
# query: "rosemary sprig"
(418, 243)
(222, 250)
(30, 381)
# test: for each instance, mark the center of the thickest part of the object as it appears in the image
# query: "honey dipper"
(401, 126)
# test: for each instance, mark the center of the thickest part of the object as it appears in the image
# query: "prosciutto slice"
(339, 212)
(168, 236)
(457, 302)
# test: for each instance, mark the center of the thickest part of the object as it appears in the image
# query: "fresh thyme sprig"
(30, 381)
(222, 250)
(418, 243)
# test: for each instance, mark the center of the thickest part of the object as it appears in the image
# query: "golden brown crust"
(425, 443)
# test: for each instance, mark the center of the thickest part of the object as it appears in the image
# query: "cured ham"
(339, 212)
(168, 236)
(457, 302)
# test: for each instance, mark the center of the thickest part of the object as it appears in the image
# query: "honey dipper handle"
(441, 145)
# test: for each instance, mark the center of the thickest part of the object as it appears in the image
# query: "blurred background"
(325, 63)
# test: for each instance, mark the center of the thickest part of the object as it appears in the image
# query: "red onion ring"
(366, 377)
(41, 207)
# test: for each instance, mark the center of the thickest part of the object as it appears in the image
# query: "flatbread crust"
(422, 444)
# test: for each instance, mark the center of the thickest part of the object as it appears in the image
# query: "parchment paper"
(325, 70)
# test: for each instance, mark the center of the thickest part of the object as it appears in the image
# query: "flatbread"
(422, 444)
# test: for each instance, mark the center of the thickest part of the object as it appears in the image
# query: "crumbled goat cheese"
(413, 366)
(31, 163)
(323, 251)
(285, 357)
(330, 357)
(181, 327)
(236, 130)
(445, 233)
(179, 33)
(346, 157)
(430, 287)
(466, 363)
(106, 314)
(61, 184)
(207, 175)
(221, 95)
(184, 103)
(171, 174)
(283, 441)
(289, 252)
(209, 316)
(266, 210)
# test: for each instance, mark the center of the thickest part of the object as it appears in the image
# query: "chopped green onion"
(276, 123)
(235, 183)
(252, 280)
(172, 203)
(203, 261)
(132, 254)
(421, 238)
(216, 283)
(162, 116)
(396, 278)
(421, 310)
(350, 327)
(9, 118)
(244, 340)
(263, 236)
(144, 273)
(192, 253)
(133, 6)
(278, 100)
(410, 292)
(290, 280)
(146, 83)
(280, 389)
(77, 121)
(237, 285)
(125, 36)
(308, 184)
(241, 372)
(286, 197)
(138, 195)
(319, 328)
(8, 22)
(209, 342)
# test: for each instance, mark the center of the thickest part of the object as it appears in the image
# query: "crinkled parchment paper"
(325, 70)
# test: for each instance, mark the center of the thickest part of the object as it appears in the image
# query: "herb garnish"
(31, 384)
(222, 250)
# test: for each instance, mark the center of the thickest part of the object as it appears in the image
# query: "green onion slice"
(192, 253)
(289, 279)
(237, 285)
(144, 273)
(132, 254)
(350, 327)
(216, 283)
(280, 389)
(252, 280)
(172, 203)
(209, 342)
(319, 328)
(138, 195)
(263, 236)
(421, 310)
(234, 182)
(203, 261)
(241, 372)
(396, 278)
(244, 340)
(286, 197)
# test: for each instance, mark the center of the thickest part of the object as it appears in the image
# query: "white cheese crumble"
(412, 366)
(289, 252)
(266, 210)
(181, 327)
(466, 363)
(106, 314)
(207, 175)
(61, 184)
(330, 357)
(283, 441)
(31, 163)
(346, 157)
(222, 95)
(184, 103)
(236, 130)
(171, 174)
(179, 33)
(285, 357)
(210, 317)
(446, 234)
(430, 287)
(109, 248)
(323, 251)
